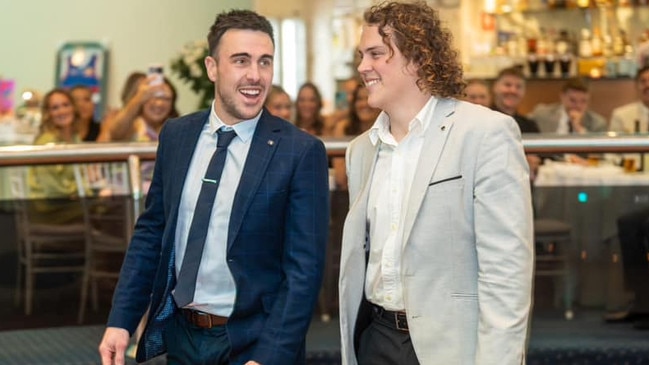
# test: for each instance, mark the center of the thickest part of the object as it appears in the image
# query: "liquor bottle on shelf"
(585, 45)
(563, 44)
(564, 52)
(626, 65)
(618, 44)
(597, 44)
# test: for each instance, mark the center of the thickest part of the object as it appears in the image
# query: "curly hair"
(237, 19)
(417, 31)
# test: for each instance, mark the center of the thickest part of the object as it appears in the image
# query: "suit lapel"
(265, 142)
(434, 140)
(359, 205)
(181, 147)
(368, 161)
(183, 153)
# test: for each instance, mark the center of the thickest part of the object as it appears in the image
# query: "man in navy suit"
(261, 263)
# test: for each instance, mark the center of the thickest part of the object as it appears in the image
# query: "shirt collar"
(244, 129)
(381, 128)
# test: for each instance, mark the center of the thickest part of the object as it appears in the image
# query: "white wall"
(136, 32)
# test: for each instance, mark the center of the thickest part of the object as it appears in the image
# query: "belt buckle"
(401, 322)
(203, 316)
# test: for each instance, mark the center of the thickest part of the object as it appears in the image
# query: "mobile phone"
(156, 71)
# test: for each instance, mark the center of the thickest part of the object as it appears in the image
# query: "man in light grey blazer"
(571, 115)
(634, 117)
(437, 260)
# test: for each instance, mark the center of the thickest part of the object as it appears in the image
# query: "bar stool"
(552, 238)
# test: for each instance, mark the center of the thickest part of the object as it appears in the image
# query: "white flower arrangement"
(189, 67)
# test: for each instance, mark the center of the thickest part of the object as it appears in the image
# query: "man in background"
(571, 115)
(508, 90)
(634, 117)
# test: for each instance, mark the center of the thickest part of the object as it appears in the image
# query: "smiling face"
(508, 93)
(60, 109)
(242, 72)
(158, 109)
(307, 104)
(279, 105)
(389, 77)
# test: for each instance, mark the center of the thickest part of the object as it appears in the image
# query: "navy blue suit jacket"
(276, 242)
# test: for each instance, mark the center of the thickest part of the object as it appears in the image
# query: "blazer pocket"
(445, 180)
(464, 296)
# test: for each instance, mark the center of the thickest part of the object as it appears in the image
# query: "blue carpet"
(586, 340)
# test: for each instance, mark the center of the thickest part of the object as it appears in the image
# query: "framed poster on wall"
(86, 64)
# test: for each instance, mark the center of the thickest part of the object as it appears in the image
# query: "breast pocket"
(445, 180)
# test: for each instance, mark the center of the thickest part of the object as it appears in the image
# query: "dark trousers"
(380, 344)
(191, 345)
(633, 231)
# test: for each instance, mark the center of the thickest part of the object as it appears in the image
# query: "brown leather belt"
(202, 319)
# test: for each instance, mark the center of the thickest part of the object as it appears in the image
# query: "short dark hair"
(576, 84)
(641, 70)
(237, 19)
(516, 71)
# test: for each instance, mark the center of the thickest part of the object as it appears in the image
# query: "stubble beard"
(230, 107)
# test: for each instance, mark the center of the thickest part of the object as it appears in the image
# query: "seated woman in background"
(89, 128)
(361, 118)
(308, 110)
(52, 186)
(144, 114)
(278, 103)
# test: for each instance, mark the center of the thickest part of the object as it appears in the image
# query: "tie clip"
(205, 180)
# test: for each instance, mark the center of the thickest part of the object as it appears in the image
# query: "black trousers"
(633, 232)
(191, 345)
(380, 344)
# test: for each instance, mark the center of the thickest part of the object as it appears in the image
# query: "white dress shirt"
(215, 289)
(388, 199)
(564, 122)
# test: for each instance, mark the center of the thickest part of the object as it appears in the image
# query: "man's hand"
(113, 346)
(575, 118)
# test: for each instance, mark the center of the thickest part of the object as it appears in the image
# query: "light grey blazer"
(547, 117)
(623, 118)
(468, 259)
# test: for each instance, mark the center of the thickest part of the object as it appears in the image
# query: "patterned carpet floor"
(585, 340)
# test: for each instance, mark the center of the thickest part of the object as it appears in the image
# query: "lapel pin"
(271, 142)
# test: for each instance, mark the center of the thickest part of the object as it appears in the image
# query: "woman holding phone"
(141, 119)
